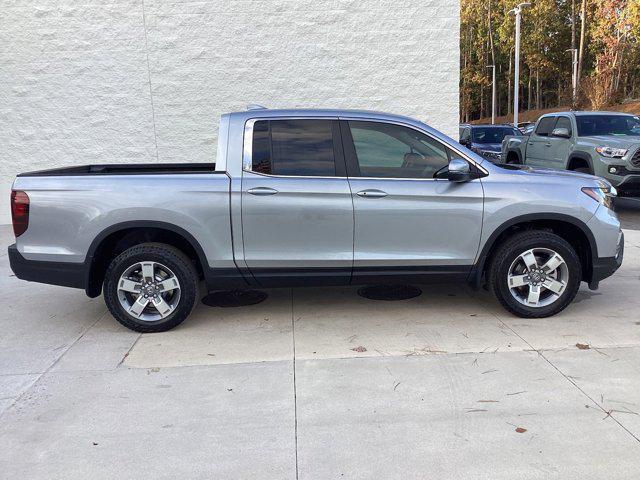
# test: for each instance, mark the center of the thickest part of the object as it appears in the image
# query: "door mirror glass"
(457, 171)
(561, 132)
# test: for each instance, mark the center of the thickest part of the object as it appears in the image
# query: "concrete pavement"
(321, 383)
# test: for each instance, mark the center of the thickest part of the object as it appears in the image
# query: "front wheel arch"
(570, 228)
(577, 161)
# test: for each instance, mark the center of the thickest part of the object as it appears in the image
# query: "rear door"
(406, 221)
(297, 213)
(538, 144)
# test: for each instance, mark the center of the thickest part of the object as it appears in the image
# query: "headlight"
(602, 195)
(611, 152)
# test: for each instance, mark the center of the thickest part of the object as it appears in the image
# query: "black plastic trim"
(299, 277)
(475, 276)
(411, 274)
(127, 169)
(605, 267)
(518, 154)
(66, 274)
(581, 156)
(212, 276)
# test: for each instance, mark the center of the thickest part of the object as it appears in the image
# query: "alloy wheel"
(148, 291)
(538, 277)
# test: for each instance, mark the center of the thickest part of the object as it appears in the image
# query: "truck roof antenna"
(255, 106)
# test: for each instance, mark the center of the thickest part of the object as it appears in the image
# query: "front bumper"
(54, 273)
(606, 266)
(629, 186)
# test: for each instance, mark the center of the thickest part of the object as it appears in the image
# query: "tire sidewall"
(186, 278)
(564, 250)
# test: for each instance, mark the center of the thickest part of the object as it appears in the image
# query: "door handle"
(372, 193)
(547, 144)
(262, 191)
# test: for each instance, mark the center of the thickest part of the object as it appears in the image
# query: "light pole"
(493, 94)
(574, 75)
(517, 11)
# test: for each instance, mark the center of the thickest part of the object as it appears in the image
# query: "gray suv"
(313, 197)
(605, 144)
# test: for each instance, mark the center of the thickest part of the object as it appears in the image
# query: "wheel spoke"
(147, 270)
(534, 295)
(138, 306)
(163, 307)
(517, 281)
(553, 263)
(529, 259)
(129, 285)
(554, 285)
(169, 284)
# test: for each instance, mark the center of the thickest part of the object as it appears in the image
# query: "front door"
(560, 146)
(406, 221)
(297, 213)
(538, 153)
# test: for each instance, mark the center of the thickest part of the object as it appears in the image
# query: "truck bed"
(125, 169)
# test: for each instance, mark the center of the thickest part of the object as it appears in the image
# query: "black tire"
(506, 254)
(583, 170)
(181, 266)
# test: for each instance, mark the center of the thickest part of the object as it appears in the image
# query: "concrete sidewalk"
(321, 383)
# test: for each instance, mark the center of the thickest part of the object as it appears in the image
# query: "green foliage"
(610, 65)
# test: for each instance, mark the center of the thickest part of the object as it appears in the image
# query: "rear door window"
(293, 147)
(545, 126)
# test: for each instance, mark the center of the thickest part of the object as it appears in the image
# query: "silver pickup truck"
(313, 197)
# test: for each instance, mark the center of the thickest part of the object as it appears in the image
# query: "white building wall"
(111, 81)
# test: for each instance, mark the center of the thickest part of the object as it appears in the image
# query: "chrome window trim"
(432, 137)
(248, 146)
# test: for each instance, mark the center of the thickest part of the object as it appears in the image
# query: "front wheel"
(535, 274)
(151, 287)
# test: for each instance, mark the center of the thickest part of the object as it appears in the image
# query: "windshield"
(492, 134)
(591, 125)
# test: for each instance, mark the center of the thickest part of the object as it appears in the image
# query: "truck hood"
(615, 141)
(549, 173)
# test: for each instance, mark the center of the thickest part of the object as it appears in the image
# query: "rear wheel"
(535, 274)
(151, 287)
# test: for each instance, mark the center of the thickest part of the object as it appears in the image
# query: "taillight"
(19, 211)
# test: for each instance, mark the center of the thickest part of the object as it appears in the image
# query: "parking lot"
(322, 383)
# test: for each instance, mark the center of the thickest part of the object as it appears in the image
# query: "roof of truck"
(579, 113)
(325, 112)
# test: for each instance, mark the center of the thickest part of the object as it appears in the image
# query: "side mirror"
(561, 132)
(457, 171)
(465, 141)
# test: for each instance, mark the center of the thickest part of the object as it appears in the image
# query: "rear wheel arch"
(117, 238)
(573, 230)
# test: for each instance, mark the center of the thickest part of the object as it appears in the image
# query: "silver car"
(314, 197)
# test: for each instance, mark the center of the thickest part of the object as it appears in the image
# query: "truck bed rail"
(126, 169)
